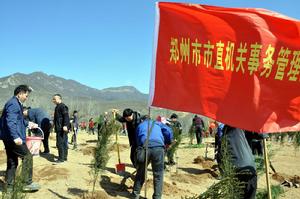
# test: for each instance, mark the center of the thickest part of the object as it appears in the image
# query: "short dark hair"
(145, 117)
(26, 108)
(75, 112)
(127, 112)
(174, 116)
(22, 89)
(59, 95)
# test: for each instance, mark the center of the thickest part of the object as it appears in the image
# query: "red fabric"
(91, 124)
(262, 99)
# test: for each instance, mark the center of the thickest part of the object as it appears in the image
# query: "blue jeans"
(156, 157)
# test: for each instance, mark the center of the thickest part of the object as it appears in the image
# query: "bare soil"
(192, 174)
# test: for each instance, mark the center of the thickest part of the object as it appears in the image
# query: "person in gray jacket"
(39, 116)
(241, 158)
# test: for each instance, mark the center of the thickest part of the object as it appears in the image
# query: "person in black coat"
(198, 126)
(39, 116)
(132, 120)
(62, 125)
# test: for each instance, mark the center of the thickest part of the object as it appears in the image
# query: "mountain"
(90, 102)
(43, 83)
(75, 94)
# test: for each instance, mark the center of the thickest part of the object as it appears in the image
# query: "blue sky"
(98, 43)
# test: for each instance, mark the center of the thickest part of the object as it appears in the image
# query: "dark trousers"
(92, 130)
(156, 157)
(62, 145)
(257, 147)
(46, 126)
(170, 156)
(14, 151)
(132, 155)
(198, 131)
(248, 176)
(74, 138)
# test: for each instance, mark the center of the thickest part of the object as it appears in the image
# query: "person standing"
(62, 124)
(75, 125)
(160, 135)
(255, 142)
(132, 120)
(198, 126)
(39, 116)
(91, 126)
(177, 131)
(14, 139)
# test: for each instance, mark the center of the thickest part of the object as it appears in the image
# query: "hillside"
(90, 102)
(75, 95)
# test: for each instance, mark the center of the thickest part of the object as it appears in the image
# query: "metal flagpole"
(267, 168)
(146, 151)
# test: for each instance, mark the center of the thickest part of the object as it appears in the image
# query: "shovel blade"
(120, 168)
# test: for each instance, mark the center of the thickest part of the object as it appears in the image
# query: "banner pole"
(267, 169)
(146, 151)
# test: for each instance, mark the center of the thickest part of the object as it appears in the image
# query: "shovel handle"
(117, 142)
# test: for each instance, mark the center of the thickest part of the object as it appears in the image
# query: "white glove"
(65, 128)
(32, 125)
(18, 141)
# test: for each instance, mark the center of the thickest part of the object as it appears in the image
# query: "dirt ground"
(192, 175)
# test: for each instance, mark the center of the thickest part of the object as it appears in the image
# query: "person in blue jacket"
(39, 116)
(14, 139)
(160, 136)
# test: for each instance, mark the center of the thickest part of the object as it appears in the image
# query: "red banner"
(240, 66)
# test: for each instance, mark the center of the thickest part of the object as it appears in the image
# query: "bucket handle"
(41, 132)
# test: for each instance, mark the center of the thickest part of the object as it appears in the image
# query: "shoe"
(58, 161)
(32, 187)
(134, 196)
(45, 152)
(172, 162)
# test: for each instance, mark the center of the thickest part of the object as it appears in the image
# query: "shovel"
(120, 168)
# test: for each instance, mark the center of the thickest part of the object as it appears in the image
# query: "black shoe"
(58, 161)
(172, 162)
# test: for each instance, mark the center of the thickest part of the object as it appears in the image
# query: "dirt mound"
(2, 157)
(169, 189)
(199, 159)
(188, 178)
(96, 195)
(279, 177)
(295, 179)
(206, 163)
(90, 150)
(51, 173)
